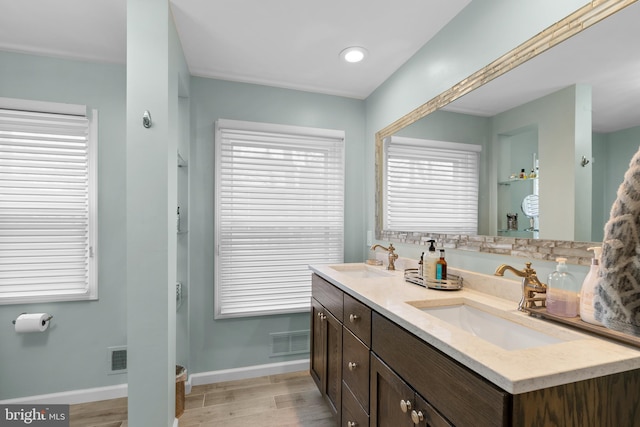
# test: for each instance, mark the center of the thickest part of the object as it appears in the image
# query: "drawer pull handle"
(353, 318)
(405, 405)
(351, 424)
(417, 417)
(353, 366)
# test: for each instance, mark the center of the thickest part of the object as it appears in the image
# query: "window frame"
(90, 291)
(220, 124)
(432, 148)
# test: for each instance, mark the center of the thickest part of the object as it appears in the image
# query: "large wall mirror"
(558, 119)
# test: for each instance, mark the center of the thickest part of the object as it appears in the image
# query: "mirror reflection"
(557, 134)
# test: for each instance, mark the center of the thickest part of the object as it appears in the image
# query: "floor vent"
(287, 343)
(117, 360)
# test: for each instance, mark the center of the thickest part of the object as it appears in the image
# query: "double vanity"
(390, 353)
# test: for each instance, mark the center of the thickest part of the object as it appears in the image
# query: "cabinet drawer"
(352, 412)
(462, 396)
(357, 317)
(327, 295)
(355, 367)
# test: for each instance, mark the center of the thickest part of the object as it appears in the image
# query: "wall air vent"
(117, 360)
(288, 343)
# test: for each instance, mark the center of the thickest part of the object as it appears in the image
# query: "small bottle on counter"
(523, 174)
(421, 266)
(441, 267)
(588, 290)
(429, 265)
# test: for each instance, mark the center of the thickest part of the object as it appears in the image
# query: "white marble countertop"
(582, 356)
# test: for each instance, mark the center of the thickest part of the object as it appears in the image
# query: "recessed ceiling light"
(354, 54)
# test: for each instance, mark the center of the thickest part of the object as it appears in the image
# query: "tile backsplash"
(545, 250)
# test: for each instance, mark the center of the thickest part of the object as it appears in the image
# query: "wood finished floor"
(285, 400)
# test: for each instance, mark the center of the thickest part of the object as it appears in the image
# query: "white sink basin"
(490, 327)
(360, 271)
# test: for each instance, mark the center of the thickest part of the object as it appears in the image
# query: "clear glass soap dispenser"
(562, 291)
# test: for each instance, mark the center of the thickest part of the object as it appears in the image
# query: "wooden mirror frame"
(548, 250)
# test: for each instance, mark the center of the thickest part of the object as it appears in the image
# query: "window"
(48, 217)
(279, 207)
(430, 186)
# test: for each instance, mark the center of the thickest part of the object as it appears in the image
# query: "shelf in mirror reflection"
(514, 180)
(516, 233)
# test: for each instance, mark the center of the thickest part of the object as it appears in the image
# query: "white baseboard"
(115, 391)
(248, 372)
(73, 397)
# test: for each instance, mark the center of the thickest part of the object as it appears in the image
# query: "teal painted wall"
(620, 147)
(556, 148)
(612, 153)
(233, 343)
(599, 209)
(72, 354)
(153, 84)
(72, 347)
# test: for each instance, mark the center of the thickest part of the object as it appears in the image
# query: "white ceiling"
(94, 30)
(295, 44)
(285, 43)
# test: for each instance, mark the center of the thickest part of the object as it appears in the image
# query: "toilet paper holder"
(43, 322)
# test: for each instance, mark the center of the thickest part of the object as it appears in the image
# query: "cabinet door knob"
(320, 315)
(405, 405)
(353, 366)
(416, 417)
(353, 318)
(351, 424)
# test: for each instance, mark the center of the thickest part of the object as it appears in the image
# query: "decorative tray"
(576, 322)
(453, 282)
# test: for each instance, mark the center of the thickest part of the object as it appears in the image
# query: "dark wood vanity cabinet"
(371, 370)
(360, 368)
(453, 392)
(326, 354)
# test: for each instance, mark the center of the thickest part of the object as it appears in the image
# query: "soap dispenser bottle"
(587, 311)
(441, 267)
(562, 296)
(430, 263)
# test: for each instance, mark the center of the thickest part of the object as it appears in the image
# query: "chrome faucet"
(392, 255)
(531, 286)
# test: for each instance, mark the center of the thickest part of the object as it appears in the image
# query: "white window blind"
(430, 186)
(279, 207)
(47, 203)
